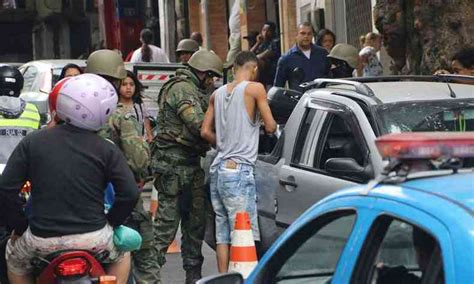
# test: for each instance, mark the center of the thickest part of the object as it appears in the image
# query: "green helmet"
(106, 62)
(345, 52)
(187, 45)
(206, 61)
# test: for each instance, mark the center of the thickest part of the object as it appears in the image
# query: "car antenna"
(445, 79)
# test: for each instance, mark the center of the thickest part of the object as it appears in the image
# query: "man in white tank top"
(232, 124)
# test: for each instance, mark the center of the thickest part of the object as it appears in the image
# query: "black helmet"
(11, 81)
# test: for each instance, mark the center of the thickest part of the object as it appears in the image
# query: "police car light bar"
(426, 145)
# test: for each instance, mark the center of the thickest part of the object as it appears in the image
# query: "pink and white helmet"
(86, 101)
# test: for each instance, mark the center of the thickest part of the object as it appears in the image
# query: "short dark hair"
(306, 24)
(244, 57)
(272, 26)
(465, 56)
(322, 33)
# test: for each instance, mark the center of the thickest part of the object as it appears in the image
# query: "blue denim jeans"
(233, 190)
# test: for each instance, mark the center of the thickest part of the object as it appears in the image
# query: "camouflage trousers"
(181, 197)
(145, 267)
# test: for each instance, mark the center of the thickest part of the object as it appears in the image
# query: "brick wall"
(194, 16)
(218, 27)
(288, 27)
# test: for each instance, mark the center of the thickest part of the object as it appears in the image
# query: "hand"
(442, 72)
(259, 38)
(14, 237)
(149, 137)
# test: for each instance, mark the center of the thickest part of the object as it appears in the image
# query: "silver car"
(40, 77)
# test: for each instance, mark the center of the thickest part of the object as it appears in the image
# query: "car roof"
(402, 91)
(59, 63)
(453, 190)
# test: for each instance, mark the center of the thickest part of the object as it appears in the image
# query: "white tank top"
(236, 133)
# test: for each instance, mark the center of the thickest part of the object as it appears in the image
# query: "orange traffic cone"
(153, 202)
(174, 247)
(243, 255)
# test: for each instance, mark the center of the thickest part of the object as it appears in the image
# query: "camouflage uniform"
(123, 129)
(176, 161)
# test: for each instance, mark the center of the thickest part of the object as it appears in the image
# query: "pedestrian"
(123, 130)
(305, 55)
(197, 36)
(326, 39)
(372, 42)
(267, 49)
(70, 70)
(234, 32)
(232, 124)
(178, 148)
(462, 63)
(68, 166)
(148, 52)
(132, 100)
(185, 49)
(344, 61)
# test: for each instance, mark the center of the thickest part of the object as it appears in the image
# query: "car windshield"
(420, 116)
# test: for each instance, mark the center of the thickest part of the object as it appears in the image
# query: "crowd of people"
(100, 142)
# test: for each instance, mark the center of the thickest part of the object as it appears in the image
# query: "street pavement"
(172, 272)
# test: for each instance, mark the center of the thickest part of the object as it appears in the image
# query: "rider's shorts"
(20, 252)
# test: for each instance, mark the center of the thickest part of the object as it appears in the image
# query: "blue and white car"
(411, 225)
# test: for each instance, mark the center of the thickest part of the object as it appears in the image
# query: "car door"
(318, 247)
(403, 245)
(327, 131)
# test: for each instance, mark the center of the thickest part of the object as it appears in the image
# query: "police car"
(411, 225)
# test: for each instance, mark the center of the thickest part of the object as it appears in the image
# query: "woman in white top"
(148, 52)
(130, 97)
(372, 42)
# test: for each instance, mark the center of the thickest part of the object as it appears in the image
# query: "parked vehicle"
(328, 142)
(410, 225)
(40, 77)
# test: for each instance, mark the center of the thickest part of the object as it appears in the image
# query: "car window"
(398, 252)
(302, 139)
(445, 115)
(311, 254)
(29, 77)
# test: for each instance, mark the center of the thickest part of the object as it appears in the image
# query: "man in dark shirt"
(305, 55)
(267, 49)
(69, 167)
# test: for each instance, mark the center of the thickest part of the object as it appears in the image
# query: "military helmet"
(107, 63)
(345, 52)
(187, 45)
(206, 61)
(11, 81)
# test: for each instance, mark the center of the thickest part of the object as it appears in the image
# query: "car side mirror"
(348, 167)
(227, 278)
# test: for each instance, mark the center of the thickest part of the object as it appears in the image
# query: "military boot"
(193, 274)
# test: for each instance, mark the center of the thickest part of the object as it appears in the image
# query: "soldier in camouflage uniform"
(177, 149)
(123, 129)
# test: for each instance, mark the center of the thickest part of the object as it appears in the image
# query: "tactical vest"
(12, 130)
(170, 136)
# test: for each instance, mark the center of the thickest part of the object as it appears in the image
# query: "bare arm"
(207, 129)
(258, 92)
(148, 130)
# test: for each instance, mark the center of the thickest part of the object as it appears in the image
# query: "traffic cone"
(174, 247)
(243, 254)
(153, 202)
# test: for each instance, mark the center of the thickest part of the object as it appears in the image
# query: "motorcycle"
(72, 267)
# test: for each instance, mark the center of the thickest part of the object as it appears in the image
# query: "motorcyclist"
(68, 212)
(17, 117)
